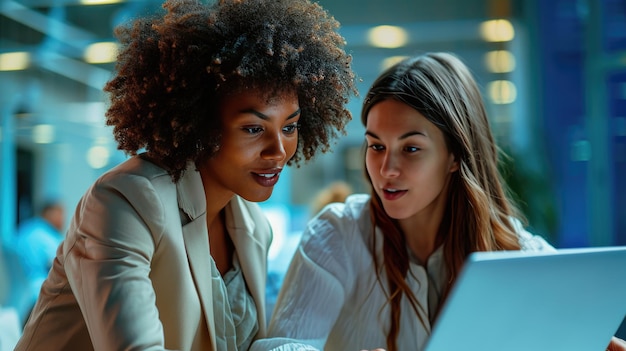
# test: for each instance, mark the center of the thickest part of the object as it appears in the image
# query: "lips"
(267, 178)
(393, 193)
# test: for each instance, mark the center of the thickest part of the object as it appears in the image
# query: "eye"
(412, 149)
(252, 130)
(376, 147)
(290, 128)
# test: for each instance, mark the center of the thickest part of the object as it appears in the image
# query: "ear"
(453, 163)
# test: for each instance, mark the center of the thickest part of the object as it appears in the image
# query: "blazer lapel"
(192, 206)
(252, 254)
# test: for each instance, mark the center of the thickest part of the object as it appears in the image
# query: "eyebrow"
(403, 136)
(266, 117)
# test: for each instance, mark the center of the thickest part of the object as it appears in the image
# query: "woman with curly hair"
(168, 250)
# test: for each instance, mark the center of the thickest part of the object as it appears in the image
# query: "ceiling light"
(388, 37)
(99, 2)
(43, 134)
(497, 30)
(502, 92)
(98, 156)
(103, 52)
(14, 61)
(390, 61)
(500, 61)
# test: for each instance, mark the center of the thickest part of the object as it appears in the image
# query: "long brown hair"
(478, 211)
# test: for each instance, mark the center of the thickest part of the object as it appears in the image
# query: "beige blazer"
(134, 271)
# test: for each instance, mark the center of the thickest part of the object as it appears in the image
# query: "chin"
(396, 213)
(257, 197)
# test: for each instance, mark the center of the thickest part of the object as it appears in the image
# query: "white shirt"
(234, 309)
(331, 298)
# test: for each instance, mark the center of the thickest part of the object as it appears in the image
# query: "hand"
(616, 344)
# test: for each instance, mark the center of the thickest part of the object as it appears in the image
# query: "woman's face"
(407, 160)
(259, 136)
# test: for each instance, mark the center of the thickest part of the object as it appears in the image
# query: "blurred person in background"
(10, 326)
(168, 250)
(35, 246)
(374, 271)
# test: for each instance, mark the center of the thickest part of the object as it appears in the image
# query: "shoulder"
(133, 177)
(338, 222)
(336, 240)
(529, 241)
(354, 209)
(135, 187)
(134, 171)
(133, 205)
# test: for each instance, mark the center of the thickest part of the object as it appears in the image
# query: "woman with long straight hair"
(374, 271)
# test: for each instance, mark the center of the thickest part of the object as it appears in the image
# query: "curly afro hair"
(174, 68)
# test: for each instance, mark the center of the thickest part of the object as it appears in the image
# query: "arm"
(318, 281)
(108, 265)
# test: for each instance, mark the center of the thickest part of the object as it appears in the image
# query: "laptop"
(571, 299)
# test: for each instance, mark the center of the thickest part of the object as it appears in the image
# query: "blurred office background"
(553, 74)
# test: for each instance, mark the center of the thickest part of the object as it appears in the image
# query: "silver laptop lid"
(571, 299)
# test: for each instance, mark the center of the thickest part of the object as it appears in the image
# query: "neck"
(420, 237)
(222, 247)
(422, 229)
(215, 224)
(216, 197)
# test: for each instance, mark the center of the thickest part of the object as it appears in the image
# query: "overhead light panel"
(99, 2)
(390, 37)
(43, 134)
(103, 52)
(502, 92)
(500, 61)
(14, 61)
(497, 30)
(98, 156)
(390, 61)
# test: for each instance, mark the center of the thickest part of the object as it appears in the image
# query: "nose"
(389, 168)
(274, 147)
